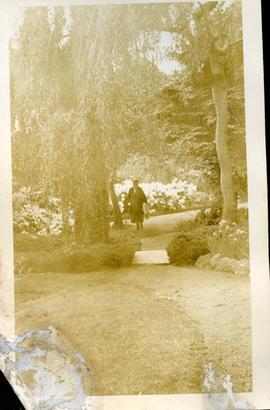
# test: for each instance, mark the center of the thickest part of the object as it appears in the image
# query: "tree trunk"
(219, 92)
(118, 221)
(92, 210)
(92, 217)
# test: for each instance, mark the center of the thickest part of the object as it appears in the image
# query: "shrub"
(205, 217)
(58, 255)
(229, 240)
(187, 246)
(183, 225)
(35, 213)
(31, 243)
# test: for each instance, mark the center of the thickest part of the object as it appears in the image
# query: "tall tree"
(34, 90)
(209, 46)
(111, 74)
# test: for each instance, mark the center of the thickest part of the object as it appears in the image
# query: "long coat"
(135, 201)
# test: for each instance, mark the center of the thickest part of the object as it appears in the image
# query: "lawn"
(145, 330)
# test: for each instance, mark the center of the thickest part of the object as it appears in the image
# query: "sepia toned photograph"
(130, 200)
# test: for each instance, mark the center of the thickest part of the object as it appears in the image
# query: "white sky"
(168, 66)
(164, 64)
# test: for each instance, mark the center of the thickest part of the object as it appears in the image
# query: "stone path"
(151, 257)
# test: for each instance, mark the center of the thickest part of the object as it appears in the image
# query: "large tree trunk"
(118, 221)
(219, 91)
(92, 216)
(92, 210)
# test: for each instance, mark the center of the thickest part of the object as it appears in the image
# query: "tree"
(34, 91)
(92, 99)
(65, 107)
(209, 46)
(111, 73)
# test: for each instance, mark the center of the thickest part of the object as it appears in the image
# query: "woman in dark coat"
(135, 200)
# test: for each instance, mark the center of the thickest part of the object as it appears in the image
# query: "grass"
(136, 339)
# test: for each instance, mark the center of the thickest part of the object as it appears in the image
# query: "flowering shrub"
(162, 198)
(230, 240)
(35, 215)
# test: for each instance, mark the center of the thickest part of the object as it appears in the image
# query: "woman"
(135, 200)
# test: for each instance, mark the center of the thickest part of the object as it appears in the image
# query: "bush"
(206, 233)
(31, 243)
(43, 255)
(205, 217)
(187, 246)
(183, 225)
(36, 213)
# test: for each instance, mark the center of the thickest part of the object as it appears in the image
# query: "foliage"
(21, 266)
(35, 213)
(72, 138)
(188, 128)
(220, 237)
(204, 218)
(24, 243)
(146, 168)
(190, 135)
(37, 92)
(187, 246)
(186, 225)
(203, 29)
(81, 181)
(94, 106)
(209, 45)
(42, 255)
(228, 239)
(209, 216)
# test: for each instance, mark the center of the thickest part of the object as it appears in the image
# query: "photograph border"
(257, 205)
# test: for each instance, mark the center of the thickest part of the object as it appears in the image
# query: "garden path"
(158, 231)
(152, 257)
